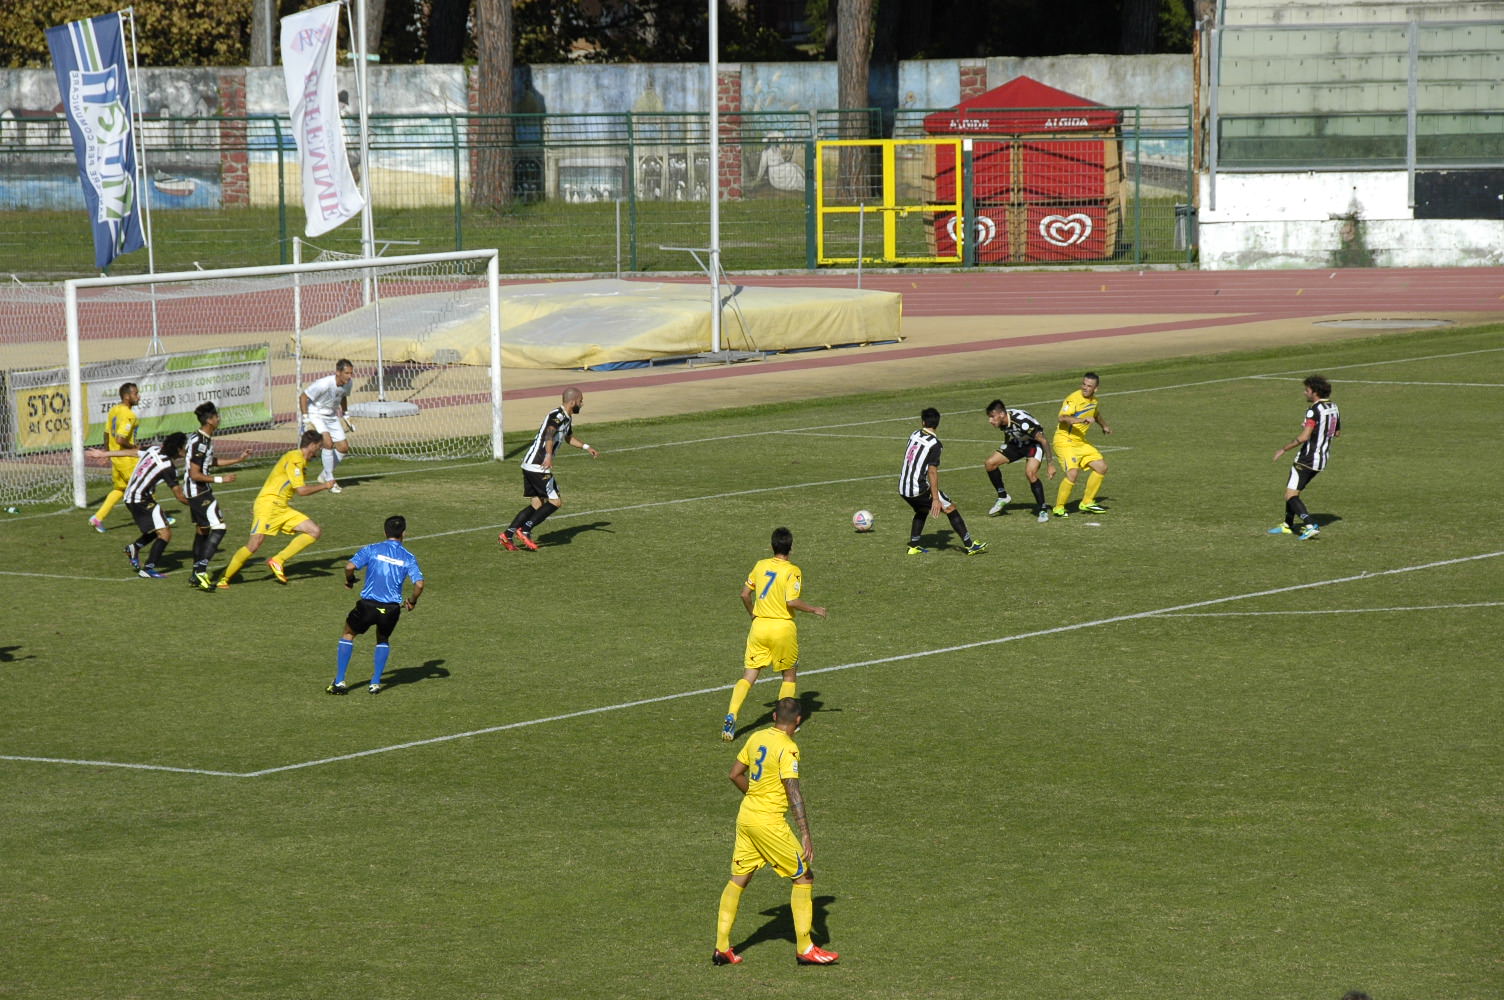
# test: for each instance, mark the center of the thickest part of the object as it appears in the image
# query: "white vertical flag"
(330, 195)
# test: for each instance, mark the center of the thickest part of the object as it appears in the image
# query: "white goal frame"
(75, 363)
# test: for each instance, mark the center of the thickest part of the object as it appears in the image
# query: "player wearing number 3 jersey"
(771, 596)
(766, 772)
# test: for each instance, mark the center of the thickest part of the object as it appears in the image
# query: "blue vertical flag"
(89, 58)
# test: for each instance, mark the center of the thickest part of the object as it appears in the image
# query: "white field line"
(1375, 381)
(565, 515)
(902, 657)
(71, 512)
(1335, 611)
(1050, 402)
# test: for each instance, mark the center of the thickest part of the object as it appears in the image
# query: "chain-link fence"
(557, 193)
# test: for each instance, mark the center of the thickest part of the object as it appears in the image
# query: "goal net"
(422, 332)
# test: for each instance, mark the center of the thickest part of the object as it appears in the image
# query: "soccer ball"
(862, 520)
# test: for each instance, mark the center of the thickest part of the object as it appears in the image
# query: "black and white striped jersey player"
(1023, 438)
(539, 485)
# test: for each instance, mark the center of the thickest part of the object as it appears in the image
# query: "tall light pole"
(715, 180)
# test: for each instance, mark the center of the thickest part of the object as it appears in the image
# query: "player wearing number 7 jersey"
(771, 596)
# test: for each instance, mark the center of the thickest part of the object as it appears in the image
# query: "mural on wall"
(37, 169)
(573, 141)
(413, 135)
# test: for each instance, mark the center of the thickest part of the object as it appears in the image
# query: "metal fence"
(588, 193)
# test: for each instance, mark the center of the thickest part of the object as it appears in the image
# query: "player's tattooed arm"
(796, 806)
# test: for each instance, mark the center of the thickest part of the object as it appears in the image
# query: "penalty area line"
(1167, 612)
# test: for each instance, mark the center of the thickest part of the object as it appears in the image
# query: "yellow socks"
(787, 690)
(739, 695)
(110, 501)
(1093, 483)
(237, 561)
(1063, 494)
(731, 898)
(801, 902)
(299, 542)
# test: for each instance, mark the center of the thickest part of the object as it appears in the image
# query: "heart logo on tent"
(1065, 230)
(983, 230)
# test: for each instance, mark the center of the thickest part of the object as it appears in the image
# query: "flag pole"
(357, 24)
(367, 229)
(143, 185)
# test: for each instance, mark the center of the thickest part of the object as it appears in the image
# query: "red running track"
(1284, 293)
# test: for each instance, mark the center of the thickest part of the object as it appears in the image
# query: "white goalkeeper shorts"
(327, 423)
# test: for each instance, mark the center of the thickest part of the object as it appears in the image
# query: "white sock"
(329, 454)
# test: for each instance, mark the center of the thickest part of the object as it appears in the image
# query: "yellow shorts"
(1076, 456)
(275, 519)
(120, 471)
(772, 642)
(770, 844)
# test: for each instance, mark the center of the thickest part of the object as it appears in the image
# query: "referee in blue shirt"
(388, 566)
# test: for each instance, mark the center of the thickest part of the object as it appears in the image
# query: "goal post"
(423, 332)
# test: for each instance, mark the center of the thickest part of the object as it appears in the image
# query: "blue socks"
(382, 652)
(342, 661)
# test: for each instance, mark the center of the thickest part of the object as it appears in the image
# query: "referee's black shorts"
(366, 613)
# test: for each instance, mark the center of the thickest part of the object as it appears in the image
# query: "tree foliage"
(217, 32)
(168, 32)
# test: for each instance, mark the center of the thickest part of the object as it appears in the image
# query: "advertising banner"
(330, 195)
(236, 379)
(89, 59)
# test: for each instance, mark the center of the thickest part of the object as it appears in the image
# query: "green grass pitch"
(1154, 753)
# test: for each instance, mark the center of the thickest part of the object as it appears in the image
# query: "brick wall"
(973, 74)
(728, 88)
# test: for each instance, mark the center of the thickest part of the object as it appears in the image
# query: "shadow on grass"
(938, 540)
(298, 568)
(779, 925)
(8, 654)
(566, 535)
(432, 670)
(809, 699)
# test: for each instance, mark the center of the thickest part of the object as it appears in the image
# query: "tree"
(264, 40)
(1138, 24)
(854, 26)
(495, 34)
(448, 30)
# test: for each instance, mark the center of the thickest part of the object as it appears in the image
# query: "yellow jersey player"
(1079, 411)
(273, 513)
(771, 596)
(766, 772)
(119, 435)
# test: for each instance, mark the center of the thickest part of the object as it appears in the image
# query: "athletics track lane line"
(900, 658)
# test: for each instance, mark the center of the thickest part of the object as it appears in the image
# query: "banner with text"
(236, 379)
(330, 195)
(89, 59)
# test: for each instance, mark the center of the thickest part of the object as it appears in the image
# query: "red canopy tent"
(1046, 173)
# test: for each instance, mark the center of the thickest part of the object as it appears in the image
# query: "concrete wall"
(1112, 80)
(1315, 220)
(1358, 12)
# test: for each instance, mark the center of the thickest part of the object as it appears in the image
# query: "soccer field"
(1150, 753)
